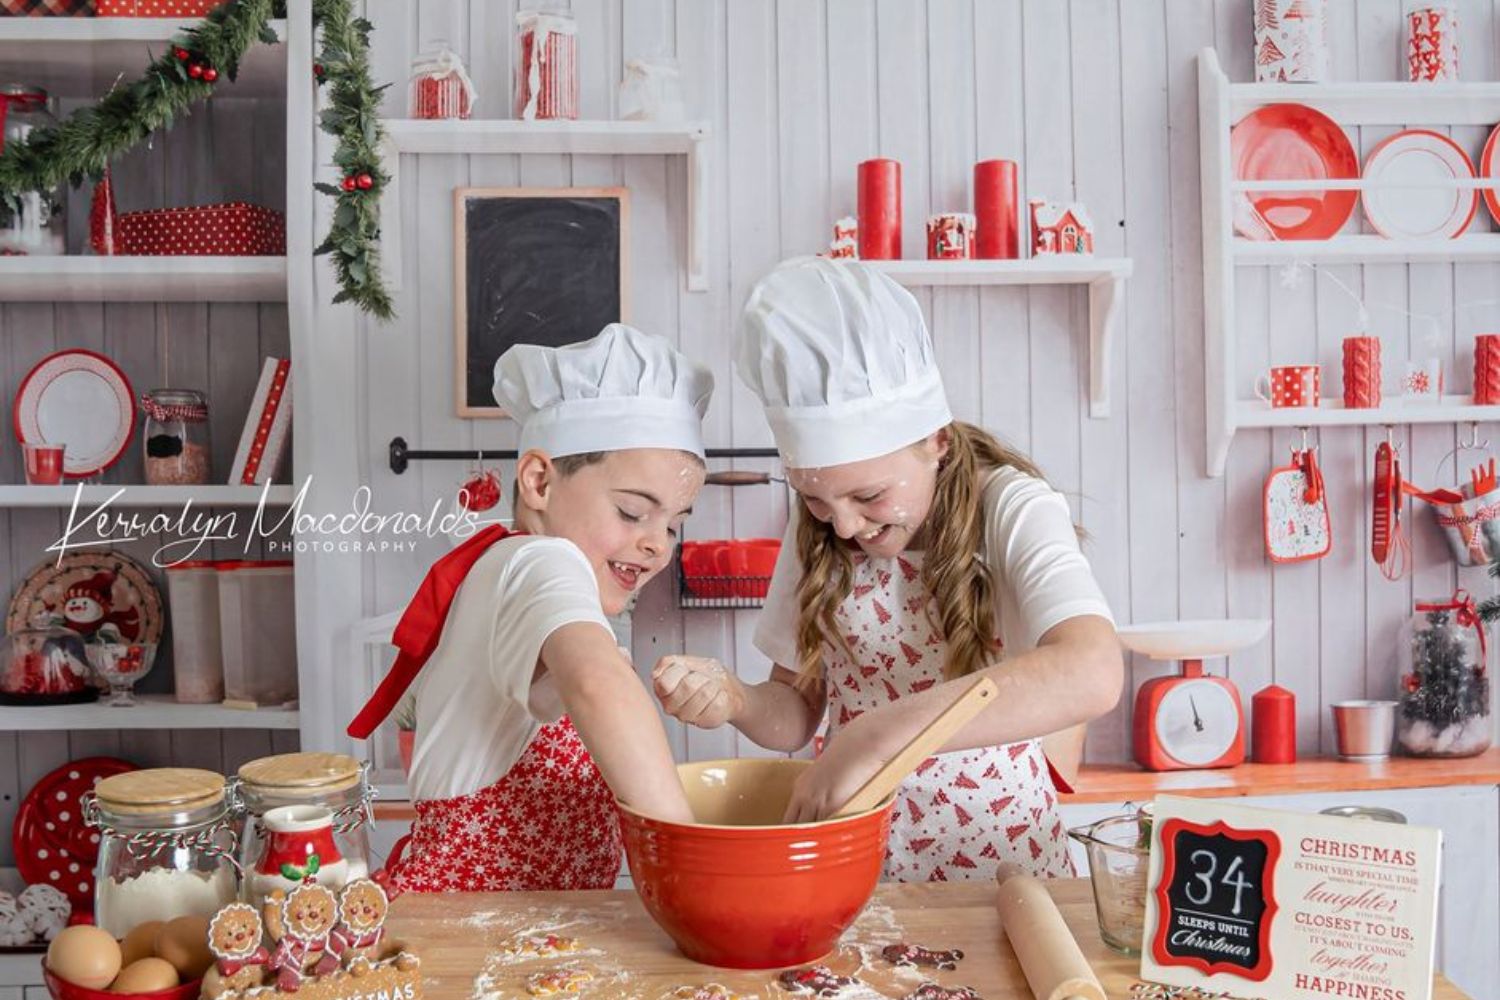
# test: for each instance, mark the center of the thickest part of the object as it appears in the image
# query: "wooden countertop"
(460, 938)
(1128, 783)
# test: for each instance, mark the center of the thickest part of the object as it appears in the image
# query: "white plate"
(1415, 157)
(1193, 639)
(82, 401)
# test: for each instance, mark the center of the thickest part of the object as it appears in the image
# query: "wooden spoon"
(921, 746)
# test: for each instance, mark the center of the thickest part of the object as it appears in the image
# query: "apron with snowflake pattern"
(961, 814)
(550, 822)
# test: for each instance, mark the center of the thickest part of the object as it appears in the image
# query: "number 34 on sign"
(1263, 902)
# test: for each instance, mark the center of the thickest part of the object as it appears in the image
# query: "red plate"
(1294, 142)
(1487, 166)
(52, 844)
(81, 400)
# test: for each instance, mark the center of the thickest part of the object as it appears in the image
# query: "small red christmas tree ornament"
(102, 217)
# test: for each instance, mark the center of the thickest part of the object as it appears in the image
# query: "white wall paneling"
(1097, 99)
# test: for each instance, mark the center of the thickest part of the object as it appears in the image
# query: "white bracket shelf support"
(1104, 276)
(507, 138)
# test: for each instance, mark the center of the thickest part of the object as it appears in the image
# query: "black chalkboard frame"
(462, 196)
(1166, 842)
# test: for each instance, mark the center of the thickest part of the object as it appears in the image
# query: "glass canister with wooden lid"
(167, 846)
(309, 810)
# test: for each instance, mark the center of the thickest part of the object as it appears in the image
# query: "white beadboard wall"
(232, 148)
(1097, 99)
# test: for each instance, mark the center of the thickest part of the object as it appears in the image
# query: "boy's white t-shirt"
(477, 705)
(1041, 576)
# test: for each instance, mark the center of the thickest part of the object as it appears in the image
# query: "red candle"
(995, 208)
(880, 210)
(1273, 726)
(1487, 369)
(1361, 372)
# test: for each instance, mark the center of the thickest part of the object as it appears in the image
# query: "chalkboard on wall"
(533, 266)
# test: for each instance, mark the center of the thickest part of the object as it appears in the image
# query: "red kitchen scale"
(1190, 719)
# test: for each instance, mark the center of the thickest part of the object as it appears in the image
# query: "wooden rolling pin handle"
(738, 478)
(1054, 965)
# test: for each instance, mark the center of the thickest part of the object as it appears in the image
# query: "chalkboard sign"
(1216, 898)
(533, 266)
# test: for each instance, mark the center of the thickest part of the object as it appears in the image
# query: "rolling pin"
(1054, 966)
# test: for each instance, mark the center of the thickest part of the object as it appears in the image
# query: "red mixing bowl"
(737, 889)
(61, 989)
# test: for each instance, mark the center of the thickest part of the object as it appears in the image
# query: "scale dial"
(1197, 721)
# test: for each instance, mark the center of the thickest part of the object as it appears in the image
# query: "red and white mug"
(1291, 385)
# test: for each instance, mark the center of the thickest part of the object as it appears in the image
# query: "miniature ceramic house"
(1060, 229)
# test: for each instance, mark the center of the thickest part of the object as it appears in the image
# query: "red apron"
(549, 823)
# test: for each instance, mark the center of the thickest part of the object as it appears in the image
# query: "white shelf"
(143, 496)
(1406, 104)
(1220, 105)
(1369, 249)
(1104, 276)
(508, 137)
(142, 279)
(48, 52)
(153, 712)
(1331, 413)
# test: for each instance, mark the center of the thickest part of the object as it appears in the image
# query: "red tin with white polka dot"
(52, 843)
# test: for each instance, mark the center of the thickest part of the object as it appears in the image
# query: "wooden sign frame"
(461, 197)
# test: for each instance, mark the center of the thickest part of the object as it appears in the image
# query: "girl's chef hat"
(840, 356)
(622, 389)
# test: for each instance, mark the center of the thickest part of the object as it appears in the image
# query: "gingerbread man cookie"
(555, 982)
(934, 991)
(240, 959)
(912, 954)
(301, 924)
(819, 980)
(356, 939)
(541, 946)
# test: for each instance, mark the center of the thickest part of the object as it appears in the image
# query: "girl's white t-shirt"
(1041, 576)
(479, 698)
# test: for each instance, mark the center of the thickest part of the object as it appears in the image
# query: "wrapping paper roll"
(1054, 966)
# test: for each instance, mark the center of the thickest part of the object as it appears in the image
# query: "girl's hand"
(847, 762)
(698, 690)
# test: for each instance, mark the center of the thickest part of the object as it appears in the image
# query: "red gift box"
(234, 229)
(155, 8)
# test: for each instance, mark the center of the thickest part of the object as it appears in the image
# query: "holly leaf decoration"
(312, 865)
(291, 872)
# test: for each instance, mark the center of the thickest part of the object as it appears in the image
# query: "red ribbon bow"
(1466, 614)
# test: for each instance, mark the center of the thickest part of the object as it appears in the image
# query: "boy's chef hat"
(622, 389)
(840, 356)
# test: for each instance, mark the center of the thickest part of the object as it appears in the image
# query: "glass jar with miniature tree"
(1443, 685)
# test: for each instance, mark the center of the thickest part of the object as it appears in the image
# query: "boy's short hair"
(570, 464)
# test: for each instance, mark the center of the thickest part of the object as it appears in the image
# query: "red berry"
(210, 74)
(317, 69)
(195, 71)
(365, 182)
(181, 54)
(349, 183)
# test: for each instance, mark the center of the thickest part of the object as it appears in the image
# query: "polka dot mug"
(1290, 385)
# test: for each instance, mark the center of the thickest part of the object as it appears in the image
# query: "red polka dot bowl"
(740, 890)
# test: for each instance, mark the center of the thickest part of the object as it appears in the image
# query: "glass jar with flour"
(305, 815)
(166, 846)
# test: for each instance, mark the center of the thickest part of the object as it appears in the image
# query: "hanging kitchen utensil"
(1472, 522)
(1388, 546)
(1297, 525)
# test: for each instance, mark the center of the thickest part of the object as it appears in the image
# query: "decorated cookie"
(708, 991)
(541, 946)
(240, 958)
(933, 991)
(911, 954)
(44, 909)
(356, 939)
(554, 982)
(819, 980)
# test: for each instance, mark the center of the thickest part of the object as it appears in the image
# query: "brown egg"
(184, 943)
(146, 976)
(140, 942)
(84, 955)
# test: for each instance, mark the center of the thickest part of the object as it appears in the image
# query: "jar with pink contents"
(176, 437)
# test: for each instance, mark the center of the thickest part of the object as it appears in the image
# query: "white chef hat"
(841, 358)
(622, 389)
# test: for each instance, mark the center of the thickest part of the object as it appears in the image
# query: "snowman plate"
(88, 589)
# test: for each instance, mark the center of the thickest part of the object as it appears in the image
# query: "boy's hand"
(698, 690)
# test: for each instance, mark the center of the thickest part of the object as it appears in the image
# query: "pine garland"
(83, 144)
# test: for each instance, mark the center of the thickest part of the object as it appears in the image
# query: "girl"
(509, 630)
(921, 552)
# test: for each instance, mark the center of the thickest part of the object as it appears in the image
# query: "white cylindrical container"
(257, 625)
(197, 647)
(1291, 41)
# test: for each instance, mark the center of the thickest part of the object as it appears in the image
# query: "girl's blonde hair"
(953, 570)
